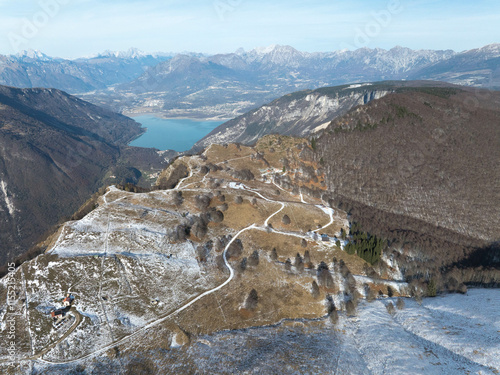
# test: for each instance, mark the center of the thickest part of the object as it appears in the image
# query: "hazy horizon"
(76, 28)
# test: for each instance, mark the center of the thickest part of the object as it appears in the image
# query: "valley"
(259, 188)
(52, 145)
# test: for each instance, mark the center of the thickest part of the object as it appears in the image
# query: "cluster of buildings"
(58, 315)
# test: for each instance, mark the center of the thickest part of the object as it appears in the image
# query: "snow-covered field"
(121, 266)
(451, 334)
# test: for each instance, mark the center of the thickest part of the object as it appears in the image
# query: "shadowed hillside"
(55, 149)
(420, 167)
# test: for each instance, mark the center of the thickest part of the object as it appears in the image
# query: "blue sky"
(73, 28)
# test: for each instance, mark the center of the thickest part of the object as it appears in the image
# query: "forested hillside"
(420, 168)
(54, 151)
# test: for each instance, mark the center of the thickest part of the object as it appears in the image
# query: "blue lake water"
(172, 134)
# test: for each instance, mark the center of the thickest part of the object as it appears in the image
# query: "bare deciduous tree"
(390, 292)
(400, 304)
(178, 199)
(253, 260)
(390, 308)
(202, 202)
(334, 317)
(180, 233)
(274, 254)
(221, 265)
(370, 293)
(243, 264)
(315, 289)
(199, 227)
(252, 300)
(350, 308)
(330, 305)
(244, 174)
(299, 264)
(307, 257)
(216, 216)
(235, 249)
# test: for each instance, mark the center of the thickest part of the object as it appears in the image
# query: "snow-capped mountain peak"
(276, 55)
(131, 53)
(32, 54)
(490, 49)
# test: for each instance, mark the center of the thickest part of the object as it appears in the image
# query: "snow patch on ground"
(372, 342)
(321, 127)
(8, 200)
(355, 86)
(174, 343)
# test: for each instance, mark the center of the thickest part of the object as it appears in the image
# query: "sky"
(76, 28)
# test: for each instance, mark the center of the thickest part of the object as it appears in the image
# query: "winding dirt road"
(38, 356)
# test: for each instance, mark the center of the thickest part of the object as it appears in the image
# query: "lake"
(172, 134)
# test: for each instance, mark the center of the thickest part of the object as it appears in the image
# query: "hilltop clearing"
(140, 263)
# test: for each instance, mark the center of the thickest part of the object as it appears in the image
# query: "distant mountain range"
(228, 85)
(30, 69)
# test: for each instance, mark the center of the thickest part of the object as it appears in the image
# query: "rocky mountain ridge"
(297, 114)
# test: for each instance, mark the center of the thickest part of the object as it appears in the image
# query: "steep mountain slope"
(301, 113)
(35, 69)
(295, 114)
(420, 168)
(428, 153)
(54, 149)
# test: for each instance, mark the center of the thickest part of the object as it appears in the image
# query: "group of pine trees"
(366, 246)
